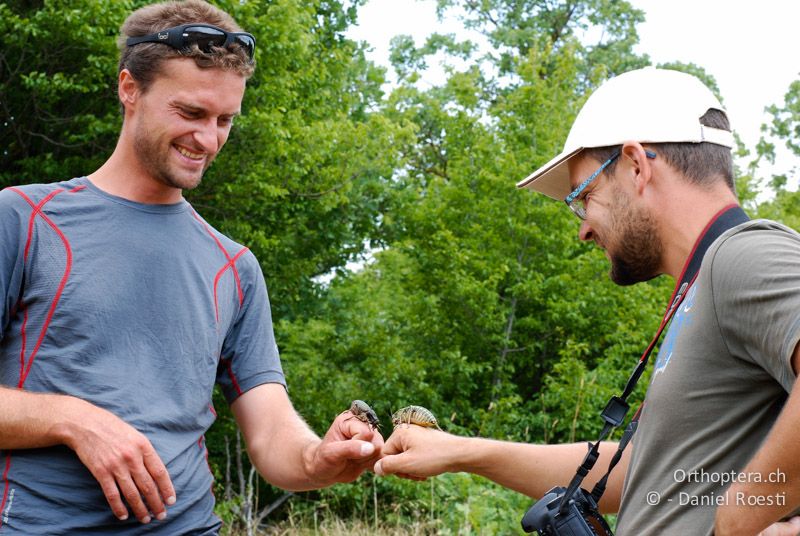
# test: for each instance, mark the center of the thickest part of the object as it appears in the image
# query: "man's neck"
(684, 216)
(123, 175)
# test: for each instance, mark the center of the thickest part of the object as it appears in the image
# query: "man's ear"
(128, 89)
(641, 170)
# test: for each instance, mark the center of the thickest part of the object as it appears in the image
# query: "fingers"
(131, 491)
(129, 472)
(110, 490)
(401, 466)
(158, 471)
(352, 428)
(352, 449)
(153, 484)
(417, 453)
(390, 465)
(139, 479)
(342, 460)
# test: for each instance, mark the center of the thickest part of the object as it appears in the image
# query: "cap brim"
(552, 179)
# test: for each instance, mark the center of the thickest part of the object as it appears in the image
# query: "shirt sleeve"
(249, 352)
(756, 287)
(12, 248)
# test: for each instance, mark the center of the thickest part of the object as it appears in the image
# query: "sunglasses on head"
(204, 36)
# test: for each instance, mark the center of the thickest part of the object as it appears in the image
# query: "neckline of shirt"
(167, 208)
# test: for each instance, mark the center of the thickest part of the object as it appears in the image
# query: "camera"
(578, 517)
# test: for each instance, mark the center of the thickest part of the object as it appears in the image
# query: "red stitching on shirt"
(37, 210)
(227, 257)
(23, 338)
(230, 264)
(201, 443)
(5, 490)
(227, 363)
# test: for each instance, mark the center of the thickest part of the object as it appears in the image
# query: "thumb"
(378, 468)
(387, 466)
(352, 449)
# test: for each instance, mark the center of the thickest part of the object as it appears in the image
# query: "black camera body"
(579, 517)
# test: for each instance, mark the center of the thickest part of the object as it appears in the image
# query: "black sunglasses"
(203, 35)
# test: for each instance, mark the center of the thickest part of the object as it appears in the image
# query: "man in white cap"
(647, 168)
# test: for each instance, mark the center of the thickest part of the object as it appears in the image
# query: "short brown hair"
(701, 163)
(145, 59)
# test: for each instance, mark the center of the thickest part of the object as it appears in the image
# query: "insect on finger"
(415, 415)
(364, 413)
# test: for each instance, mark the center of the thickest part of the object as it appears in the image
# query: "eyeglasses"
(203, 35)
(576, 202)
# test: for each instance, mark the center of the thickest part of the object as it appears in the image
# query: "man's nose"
(206, 136)
(585, 232)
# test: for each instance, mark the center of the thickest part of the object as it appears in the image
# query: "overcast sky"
(750, 48)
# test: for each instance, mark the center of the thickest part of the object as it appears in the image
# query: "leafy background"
(471, 298)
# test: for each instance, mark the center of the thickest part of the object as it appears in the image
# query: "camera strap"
(617, 407)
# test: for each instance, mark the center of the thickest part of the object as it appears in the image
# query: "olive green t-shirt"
(721, 377)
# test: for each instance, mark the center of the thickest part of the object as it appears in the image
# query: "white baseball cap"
(646, 105)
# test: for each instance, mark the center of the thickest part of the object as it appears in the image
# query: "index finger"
(399, 441)
(353, 428)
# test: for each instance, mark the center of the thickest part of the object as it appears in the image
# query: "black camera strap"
(617, 408)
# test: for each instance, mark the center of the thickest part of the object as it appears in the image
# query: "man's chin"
(183, 183)
(624, 275)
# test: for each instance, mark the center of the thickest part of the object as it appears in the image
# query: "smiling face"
(182, 121)
(617, 224)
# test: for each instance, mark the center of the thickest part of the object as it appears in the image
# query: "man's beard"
(155, 159)
(637, 248)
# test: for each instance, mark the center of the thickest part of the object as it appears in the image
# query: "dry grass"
(340, 527)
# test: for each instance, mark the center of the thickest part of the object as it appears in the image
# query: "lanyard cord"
(616, 409)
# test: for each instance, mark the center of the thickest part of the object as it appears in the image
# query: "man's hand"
(124, 463)
(349, 447)
(416, 453)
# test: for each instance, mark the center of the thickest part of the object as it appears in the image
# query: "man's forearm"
(534, 469)
(278, 441)
(33, 420)
(414, 452)
(286, 463)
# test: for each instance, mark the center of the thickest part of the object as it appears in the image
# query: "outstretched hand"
(349, 447)
(416, 453)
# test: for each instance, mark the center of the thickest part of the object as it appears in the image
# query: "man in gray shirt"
(122, 307)
(647, 168)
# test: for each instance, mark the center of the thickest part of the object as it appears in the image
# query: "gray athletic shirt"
(722, 375)
(138, 309)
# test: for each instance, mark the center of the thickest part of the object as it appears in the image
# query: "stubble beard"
(154, 158)
(638, 250)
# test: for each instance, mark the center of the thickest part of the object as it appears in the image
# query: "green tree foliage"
(784, 131)
(482, 304)
(58, 112)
